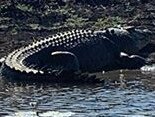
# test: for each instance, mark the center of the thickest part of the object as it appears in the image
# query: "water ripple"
(135, 98)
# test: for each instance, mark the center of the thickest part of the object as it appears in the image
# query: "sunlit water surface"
(124, 93)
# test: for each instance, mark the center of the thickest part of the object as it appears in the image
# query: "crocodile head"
(130, 39)
(142, 37)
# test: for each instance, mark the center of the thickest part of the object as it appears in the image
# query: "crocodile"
(59, 57)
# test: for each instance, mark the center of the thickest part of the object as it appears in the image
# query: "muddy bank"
(24, 22)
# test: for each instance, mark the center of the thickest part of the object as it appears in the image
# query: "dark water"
(124, 93)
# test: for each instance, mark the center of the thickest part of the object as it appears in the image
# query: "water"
(124, 93)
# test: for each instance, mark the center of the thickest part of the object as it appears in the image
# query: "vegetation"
(22, 20)
(64, 14)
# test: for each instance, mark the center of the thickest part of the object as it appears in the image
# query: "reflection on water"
(123, 93)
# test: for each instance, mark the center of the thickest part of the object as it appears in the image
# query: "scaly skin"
(87, 51)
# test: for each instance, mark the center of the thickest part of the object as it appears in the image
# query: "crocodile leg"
(131, 62)
(63, 61)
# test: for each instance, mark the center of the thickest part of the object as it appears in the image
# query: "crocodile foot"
(131, 61)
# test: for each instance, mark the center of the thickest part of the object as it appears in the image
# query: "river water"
(124, 93)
